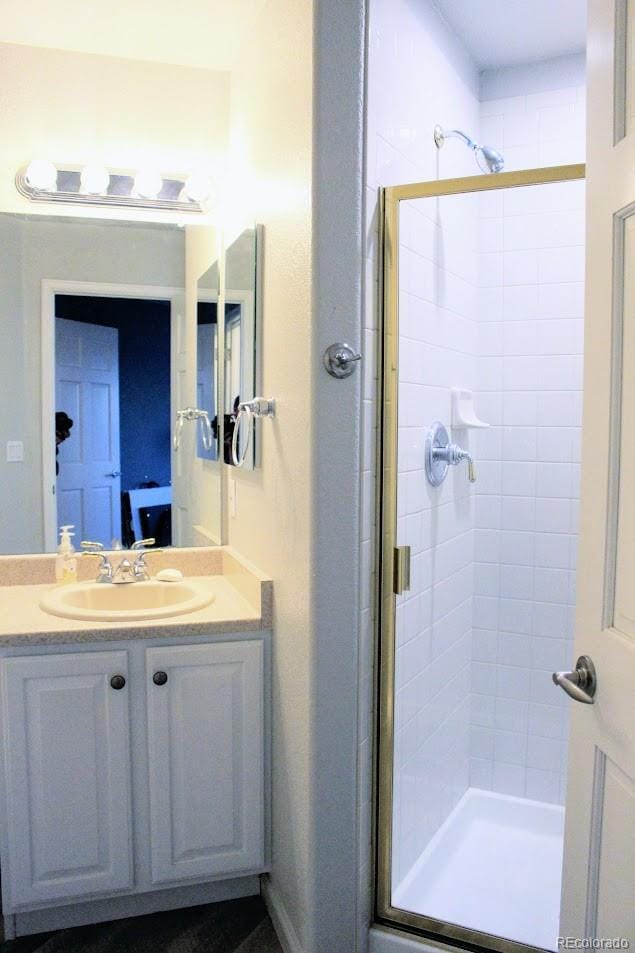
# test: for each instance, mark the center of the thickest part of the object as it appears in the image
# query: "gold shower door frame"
(390, 199)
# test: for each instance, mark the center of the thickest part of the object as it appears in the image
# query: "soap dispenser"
(66, 561)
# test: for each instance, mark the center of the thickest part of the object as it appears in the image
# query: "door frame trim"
(386, 541)
(49, 288)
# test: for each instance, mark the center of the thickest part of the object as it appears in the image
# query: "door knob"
(114, 474)
(581, 683)
(340, 360)
(160, 678)
(117, 682)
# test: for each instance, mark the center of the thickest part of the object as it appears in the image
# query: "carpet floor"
(235, 926)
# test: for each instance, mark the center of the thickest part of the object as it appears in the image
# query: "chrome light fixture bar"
(42, 181)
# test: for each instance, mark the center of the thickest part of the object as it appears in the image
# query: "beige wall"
(78, 107)
(203, 33)
(272, 148)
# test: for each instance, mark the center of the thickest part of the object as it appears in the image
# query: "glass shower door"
(481, 420)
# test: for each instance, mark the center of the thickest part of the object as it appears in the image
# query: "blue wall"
(144, 379)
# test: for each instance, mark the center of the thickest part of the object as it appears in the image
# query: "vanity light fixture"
(41, 174)
(45, 181)
(94, 179)
(198, 187)
(148, 183)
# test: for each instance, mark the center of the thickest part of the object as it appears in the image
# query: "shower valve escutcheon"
(440, 454)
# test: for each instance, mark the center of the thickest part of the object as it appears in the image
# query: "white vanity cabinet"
(131, 769)
(67, 776)
(205, 736)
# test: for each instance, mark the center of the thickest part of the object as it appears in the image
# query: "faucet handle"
(99, 555)
(105, 572)
(144, 543)
(139, 567)
(467, 456)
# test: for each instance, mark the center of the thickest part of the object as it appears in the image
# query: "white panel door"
(205, 728)
(599, 870)
(67, 770)
(87, 389)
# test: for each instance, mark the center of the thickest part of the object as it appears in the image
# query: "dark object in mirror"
(156, 522)
(63, 425)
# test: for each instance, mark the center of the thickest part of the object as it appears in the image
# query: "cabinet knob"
(117, 682)
(160, 678)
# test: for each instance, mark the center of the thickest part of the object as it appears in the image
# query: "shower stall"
(480, 434)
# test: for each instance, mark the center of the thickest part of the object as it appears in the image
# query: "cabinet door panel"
(67, 768)
(206, 759)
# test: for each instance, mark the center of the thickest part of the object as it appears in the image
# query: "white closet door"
(599, 871)
(87, 389)
(205, 727)
(67, 770)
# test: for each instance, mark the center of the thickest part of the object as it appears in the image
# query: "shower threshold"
(495, 865)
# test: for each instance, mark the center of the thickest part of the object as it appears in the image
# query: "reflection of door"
(233, 360)
(206, 363)
(183, 394)
(599, 872)
(87, 389)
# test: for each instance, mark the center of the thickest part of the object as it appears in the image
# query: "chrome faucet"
(125, 572)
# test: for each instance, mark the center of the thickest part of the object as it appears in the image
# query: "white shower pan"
(495, 865)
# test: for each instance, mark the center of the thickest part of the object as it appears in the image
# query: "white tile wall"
(437, 308)
(530, 379)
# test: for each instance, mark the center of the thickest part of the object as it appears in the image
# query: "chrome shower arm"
(457, 134)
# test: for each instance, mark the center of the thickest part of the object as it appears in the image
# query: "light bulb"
(148, 183)
(41, 175)
(94, 179)
(198, 187)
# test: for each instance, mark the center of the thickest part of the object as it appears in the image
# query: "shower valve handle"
(440, 455)
(452, 454)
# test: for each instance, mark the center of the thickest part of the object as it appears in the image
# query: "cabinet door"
(205, 727)
(67, 784)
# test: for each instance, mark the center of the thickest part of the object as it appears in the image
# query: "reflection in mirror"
(94, 316)
(241, 326)
(207, 357)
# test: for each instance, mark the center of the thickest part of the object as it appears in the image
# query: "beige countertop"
(242, 603)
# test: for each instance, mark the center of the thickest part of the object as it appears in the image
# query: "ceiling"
(199, 33)
(510, 32)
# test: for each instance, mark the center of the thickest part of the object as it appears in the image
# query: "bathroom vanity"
(135, 757)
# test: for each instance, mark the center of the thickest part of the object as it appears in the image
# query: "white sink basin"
(130, 602)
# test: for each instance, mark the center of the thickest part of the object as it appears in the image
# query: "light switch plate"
(15, 451)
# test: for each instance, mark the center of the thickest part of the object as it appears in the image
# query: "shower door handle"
(581, 683)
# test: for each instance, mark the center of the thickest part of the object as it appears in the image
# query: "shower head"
(488, 159)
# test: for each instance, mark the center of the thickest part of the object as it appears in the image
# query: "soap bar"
(169, 575)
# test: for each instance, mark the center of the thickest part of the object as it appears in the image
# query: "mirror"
(97, 357)
(242, 306)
